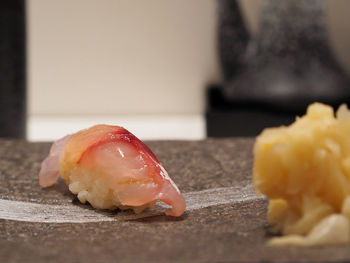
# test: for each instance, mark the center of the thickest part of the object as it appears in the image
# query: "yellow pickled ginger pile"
(304, 170)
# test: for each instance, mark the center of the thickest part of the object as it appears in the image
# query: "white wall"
(120, 56)
(134, 56)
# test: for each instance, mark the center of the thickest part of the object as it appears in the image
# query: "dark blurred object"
(227, 119)
(286, 67)
(12, 69)
(233, 38)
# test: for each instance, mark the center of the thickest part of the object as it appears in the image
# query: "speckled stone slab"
(231, 232)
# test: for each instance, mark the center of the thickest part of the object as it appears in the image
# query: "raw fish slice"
(109, 167)
(49, 171)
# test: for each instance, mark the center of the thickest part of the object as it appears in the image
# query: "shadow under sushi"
(60, 188)
(156, 214)
(161, 217)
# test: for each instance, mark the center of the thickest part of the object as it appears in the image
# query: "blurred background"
(146, 65)
(141, 64)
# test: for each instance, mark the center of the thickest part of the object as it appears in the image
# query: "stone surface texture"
(226, 233)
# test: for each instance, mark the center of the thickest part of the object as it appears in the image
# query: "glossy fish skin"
(111, 168)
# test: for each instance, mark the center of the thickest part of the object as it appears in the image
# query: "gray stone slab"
(231, 232)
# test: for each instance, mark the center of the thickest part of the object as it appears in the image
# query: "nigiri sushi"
(111, 168)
